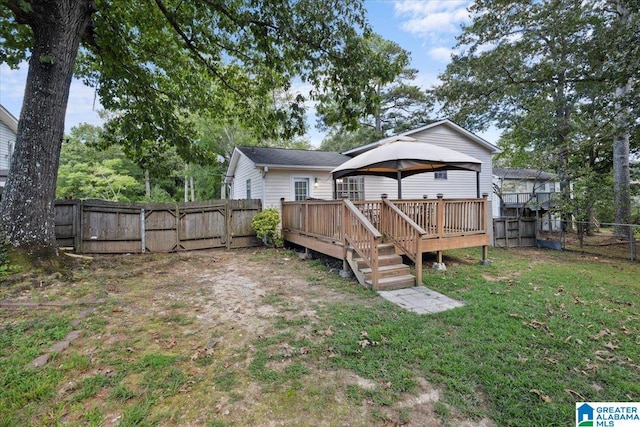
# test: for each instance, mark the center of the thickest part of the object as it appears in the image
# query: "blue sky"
(425, 28)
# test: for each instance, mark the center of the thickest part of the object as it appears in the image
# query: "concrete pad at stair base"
(420, 300)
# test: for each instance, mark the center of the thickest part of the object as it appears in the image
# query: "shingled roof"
(283, 157)
(520, 173)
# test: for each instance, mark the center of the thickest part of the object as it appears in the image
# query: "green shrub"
(266, 225)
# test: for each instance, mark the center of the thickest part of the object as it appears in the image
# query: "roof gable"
(448, 123)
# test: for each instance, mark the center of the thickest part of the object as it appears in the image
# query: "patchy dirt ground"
(243, 331)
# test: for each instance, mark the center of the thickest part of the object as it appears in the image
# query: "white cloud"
(441, 54)
(433, 19)
(82, 106)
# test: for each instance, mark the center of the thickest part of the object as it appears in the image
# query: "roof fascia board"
(8, 119)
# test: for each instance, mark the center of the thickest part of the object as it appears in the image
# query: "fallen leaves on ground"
(542, 396)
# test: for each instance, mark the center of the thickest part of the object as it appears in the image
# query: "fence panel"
(202, 225)
(160, 228)
(109, 227)
(96, 226)
(514, 232)
(66, 222)
(239, 216)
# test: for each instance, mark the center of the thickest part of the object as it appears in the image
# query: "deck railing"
(370, 209)
(446, 217)
(396, 226)
(315, 218)
(436, 217)
(408, 223)
(528, 199)
(363, 237)
(462, 217)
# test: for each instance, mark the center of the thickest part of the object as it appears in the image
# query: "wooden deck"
(343, 229)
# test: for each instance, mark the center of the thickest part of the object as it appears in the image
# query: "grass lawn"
(540, 331)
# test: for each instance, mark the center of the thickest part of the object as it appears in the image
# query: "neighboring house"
(8, 131)
(270, 174)
(524, 193)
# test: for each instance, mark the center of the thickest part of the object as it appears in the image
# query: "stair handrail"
(363, 237)
(405, 234)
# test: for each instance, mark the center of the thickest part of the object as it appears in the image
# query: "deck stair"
(393, 273)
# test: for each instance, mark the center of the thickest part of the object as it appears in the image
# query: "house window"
(301, 188)
(440, 175)
(552, 187)
(351, 187)
(248, 189)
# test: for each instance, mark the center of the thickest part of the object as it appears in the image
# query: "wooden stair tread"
(393, 273)
(396, 282)
(386, 268)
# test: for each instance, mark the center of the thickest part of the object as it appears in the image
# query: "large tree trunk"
(621, 172)
(562, 130)
(27, 208)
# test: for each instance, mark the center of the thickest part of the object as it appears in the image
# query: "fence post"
(632, 243)
(80, 225)
(227, 217)
(142, 234)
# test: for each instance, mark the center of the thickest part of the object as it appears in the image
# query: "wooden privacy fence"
(514, 232)
(96, 226)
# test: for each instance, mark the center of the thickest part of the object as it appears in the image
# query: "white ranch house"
(270, 174)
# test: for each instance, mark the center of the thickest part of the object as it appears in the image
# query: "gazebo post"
(335, 188)
(399, 178)
(478, 184)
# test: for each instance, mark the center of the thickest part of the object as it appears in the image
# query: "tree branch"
(20, 11)
(193, 49)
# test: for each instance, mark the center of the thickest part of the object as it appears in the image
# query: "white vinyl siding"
(7, 142)
(246, 171)
(279, 184)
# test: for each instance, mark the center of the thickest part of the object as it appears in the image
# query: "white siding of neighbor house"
(459, 184)
(245, 170)
(7, 139)
(279, 184)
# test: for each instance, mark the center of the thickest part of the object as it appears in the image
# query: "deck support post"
(485, 256)
(439, 254)
(345, 272)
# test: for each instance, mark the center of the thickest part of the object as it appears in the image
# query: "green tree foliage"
(393, 105)
(86, 172)
(543, 72)
(342, 140)
(155, 62)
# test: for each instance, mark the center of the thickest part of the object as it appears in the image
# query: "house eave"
(296, 167)
(8, 119)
